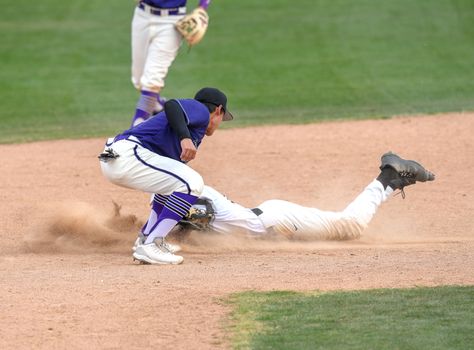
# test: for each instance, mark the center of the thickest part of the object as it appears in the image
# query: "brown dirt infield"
(68, 280)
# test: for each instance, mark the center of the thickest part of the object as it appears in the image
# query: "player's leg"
(145, 106)
(395, 174)
(164, 46)
(296, 221)
(157, 203)
(140, 38)
(142, 26)
(179, 187)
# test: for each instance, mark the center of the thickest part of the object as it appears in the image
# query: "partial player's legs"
(294, 220)
(298, 222)
(396, 173)
(163, 218)
(151, 61)
(178, 185)
(162, 51)
(169, 207)
(141, 32)
(145, 106)
(157, 204)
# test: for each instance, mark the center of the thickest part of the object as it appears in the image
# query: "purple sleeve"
(204, 4)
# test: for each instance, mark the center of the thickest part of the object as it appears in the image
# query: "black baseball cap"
(214, 97)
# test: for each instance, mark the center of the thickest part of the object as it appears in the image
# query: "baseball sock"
(156, 207)
(160, 105)
(145, 106)
(176, 207)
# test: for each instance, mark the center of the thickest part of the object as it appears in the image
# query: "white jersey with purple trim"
(293, 220)
(155, 41)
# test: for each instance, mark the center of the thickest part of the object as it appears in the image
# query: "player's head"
(215, 100)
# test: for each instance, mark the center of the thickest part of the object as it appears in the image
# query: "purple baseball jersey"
(156, 134)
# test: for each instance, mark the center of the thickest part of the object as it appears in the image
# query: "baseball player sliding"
(215, 212)
(157, 29)
(151, 157)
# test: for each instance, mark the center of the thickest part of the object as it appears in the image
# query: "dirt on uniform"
(68, 279)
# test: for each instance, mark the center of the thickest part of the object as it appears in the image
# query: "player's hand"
(188, 150)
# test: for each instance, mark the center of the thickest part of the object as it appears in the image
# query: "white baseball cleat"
(156, 254)
(173, 248)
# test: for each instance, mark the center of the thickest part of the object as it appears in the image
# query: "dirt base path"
(68, 280)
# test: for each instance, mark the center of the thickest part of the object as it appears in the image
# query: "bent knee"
(197, 186)
(353, 228)
(346, 228)
(193, 186)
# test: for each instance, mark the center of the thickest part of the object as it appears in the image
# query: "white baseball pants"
(155, 45)
(141, 169)
(291, 219)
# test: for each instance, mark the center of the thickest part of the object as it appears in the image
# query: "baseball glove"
(199, 216)
(193, 26)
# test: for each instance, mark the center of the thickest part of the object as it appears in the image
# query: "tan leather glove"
(193, 26)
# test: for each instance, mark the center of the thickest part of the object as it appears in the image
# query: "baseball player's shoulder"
(193, 106)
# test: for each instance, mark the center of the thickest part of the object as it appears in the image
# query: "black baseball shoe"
(398, 173)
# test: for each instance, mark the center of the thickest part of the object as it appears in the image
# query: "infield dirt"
(68, 279)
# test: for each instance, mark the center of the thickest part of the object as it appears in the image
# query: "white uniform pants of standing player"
(293, 220)
(141, 169)
(155, 44)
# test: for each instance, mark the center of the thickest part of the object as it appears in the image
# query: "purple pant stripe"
(161, 170)
(178, 204)
(180, 200)
(175, 209)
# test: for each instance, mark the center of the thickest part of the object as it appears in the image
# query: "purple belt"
(162, 12)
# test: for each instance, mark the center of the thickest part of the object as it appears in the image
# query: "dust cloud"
(80, 227)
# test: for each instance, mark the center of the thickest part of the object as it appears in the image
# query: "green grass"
(419, 318)
(65, 66)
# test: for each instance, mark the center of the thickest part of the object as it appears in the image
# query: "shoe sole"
(134, 249)
(147, 260)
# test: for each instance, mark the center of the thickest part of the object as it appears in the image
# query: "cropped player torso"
(156, 134)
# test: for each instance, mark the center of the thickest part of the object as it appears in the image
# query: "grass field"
(420, 318)
(66, 65)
